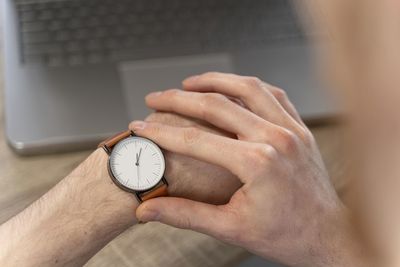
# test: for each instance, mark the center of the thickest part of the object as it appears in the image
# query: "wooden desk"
(24, 179)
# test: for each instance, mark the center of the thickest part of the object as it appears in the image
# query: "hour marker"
(154, 154)
(146, 146)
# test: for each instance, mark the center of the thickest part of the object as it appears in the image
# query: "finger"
(178, 120)
(213, 108)
(187, 214)
(222, 151)
(282, 98)
(250, 90)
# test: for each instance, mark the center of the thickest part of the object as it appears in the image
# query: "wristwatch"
(136, 165)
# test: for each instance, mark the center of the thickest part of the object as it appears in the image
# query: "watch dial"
(137, 163)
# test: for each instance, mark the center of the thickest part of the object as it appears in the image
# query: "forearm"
(71, 222)
(86, 210)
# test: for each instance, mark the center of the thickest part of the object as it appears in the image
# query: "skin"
(88, 209)
(287, 209)
(261, 186)
(363, 65)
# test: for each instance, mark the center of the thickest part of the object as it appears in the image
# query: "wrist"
(94, 185)
(342, 244)
(93, 176)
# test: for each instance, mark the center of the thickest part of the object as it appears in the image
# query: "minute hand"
(138, 158)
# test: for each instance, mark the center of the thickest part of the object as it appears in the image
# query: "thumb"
(187, 214)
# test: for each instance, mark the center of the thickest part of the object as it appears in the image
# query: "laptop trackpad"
(138, 78)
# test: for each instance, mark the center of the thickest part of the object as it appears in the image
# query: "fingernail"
(154, 94)
(138, 125)
(149, 215)
(191, 79)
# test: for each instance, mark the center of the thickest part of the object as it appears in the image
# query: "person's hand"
(287, 209)
(192, 177)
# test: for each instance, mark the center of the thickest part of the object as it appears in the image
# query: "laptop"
(76, 71)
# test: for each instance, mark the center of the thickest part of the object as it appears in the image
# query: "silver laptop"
(76, 71)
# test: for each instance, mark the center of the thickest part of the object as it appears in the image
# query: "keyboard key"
(63, 35)
(33, 26)
(33, 59)
(112, 43)
(28, 15)
(35, 37)
(100, 32)
(93, 22)
(44, 48)
(80, 34)
(75, 23)
(95, 58)
(77, 59)
(45, 15)
(94, 45)
(73, 46)
(64, 13)
(55, 25)
(56, 61)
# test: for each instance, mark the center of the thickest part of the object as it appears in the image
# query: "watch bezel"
(118, 183)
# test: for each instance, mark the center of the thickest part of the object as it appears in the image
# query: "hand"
(191, 177)
(287, 209)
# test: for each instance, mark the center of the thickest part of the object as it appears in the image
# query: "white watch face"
(137, 163)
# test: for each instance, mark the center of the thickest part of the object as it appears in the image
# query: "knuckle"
(210, 74)
(153, 117)
(260, 156)
(279, 94)
(307, 137)
(265, 153)
(209, 102)
(186, 223)
(211, 99)
(191, 135)
(171, 119)
(160, 117)
(171, 93)
(250, 86)
(287, 140)
(253, 82)
(154, 129)
(183, 222)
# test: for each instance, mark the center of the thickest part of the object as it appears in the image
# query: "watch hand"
(137, 160)
(138, 174)
(140, 152)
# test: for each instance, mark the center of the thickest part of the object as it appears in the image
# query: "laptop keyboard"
(74, 32)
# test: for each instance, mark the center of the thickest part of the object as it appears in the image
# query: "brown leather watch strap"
(160, 191)
(110, 142)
